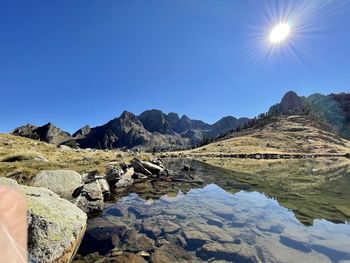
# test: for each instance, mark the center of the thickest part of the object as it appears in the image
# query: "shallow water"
(204, 222)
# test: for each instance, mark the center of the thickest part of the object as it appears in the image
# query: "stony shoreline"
(60, 201)
(259, 156)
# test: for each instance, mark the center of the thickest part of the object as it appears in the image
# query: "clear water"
(211, 223)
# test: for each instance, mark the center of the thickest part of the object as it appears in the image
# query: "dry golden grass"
(33, 156)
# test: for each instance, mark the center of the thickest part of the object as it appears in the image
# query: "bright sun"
(279, 33)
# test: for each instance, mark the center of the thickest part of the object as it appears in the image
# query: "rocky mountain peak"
(155, 121)
(48, 133)
(83, 131)
(291, 101)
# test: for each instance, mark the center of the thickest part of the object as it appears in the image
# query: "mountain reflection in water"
(212, 223)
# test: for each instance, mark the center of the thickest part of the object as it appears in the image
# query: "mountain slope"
(286, 134)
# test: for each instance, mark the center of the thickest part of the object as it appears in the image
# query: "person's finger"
(13, 226)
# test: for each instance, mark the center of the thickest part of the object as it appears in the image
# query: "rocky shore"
(60, 201)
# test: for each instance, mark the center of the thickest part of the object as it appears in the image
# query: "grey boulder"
(61, 182)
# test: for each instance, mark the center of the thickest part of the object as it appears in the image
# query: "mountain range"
(151, 130)
(154, 130)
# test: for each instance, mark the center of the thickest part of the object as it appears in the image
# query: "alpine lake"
(228, 210)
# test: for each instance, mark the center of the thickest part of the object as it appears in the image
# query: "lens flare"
(279, 33)
(285, 32)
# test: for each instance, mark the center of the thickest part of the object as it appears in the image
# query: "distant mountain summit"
(151, 130)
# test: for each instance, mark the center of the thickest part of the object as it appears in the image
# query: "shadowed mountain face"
(151, 130)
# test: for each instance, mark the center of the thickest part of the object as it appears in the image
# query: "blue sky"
(77, 62)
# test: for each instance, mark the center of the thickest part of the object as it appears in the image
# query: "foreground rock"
(61, 182)
(55, 226)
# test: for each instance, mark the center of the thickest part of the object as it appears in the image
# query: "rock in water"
(61, 182)
(153, 168)
(55, 226)
(171, 253)
(138, 167)
(229, 251)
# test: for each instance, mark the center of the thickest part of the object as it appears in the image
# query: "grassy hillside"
(287, 134)
(21, 158)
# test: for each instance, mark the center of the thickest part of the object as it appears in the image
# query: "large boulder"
(55, 226)
(61, 182)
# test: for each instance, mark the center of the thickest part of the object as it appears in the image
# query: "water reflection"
(209, 223)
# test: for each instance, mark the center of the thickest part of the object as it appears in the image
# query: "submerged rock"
(195, 238)
(61, 182)
(127, 258)
(104, 233)
(229, 251)
(295, 239)
(136, 242)
(215, 233)
(171, 253)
